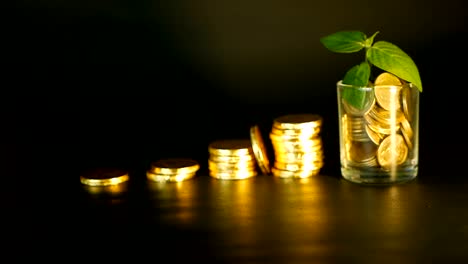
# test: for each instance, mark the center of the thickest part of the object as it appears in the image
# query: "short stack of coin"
(381, 134)
(172, 170)
(297, 145)
(105, 180)
(231, 159)
(104, 176)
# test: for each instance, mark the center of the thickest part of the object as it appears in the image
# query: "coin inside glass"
(387, 78)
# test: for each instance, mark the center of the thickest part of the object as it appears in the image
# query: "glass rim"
(341, 84)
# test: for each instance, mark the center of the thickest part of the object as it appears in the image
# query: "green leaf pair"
(381, 54)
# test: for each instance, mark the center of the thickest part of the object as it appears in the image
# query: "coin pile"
(380, 134)
(297, 145)
(105, 181)
(105, 176)
(172, 170)
(231, 159)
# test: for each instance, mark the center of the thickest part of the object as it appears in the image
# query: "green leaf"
(344, 41)
(355, 97)
(391, 58)
(370, 40)
(357, 76)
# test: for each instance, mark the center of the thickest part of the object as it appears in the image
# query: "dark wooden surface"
(323, 219)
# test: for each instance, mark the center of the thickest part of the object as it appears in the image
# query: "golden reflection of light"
(110, 194)
(386, 208)
(299, 181)
(393, 218)
(178, 197)
(303, 213)
(382, 214)
(309, 195)
(108, 189)
(394, 105)
(234, 205)
(238, 175)
(293, 213)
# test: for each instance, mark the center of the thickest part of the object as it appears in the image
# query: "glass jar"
(378, 130)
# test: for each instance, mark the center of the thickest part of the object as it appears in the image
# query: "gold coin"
(297, 121)
(387, 90)
(314, 165)
(381, 127)
(388, 96)
(158, 177)
(233, 176)
(344, 126)
(362, 151)
(302, 142)
(386, 117)
(407, 133)
(297, 133)
(387, 78)
(174, 166)
(408, 101)
(294, 174)
(374, 136)
(259, 149)
(113, 190)
(229, 166)
(230, 147)
(232, 159)
(104, 177)
(284, 148)
(392, 151)
(367, 163)
(299, 136)
(299, 162)
(406, 126)
(299, 156)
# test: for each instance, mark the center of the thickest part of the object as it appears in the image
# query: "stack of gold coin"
(381, 134)
(297, 145)
(104, 176)
(105, 180)
(172, 170)
(231, 159)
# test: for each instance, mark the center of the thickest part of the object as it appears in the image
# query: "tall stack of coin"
(380, 134)
(231, 159)
(297, 145)
(172, 170)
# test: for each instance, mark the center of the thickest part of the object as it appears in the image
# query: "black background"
(122, 83)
